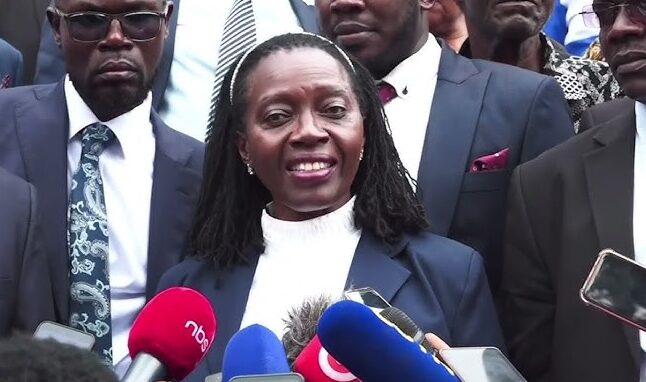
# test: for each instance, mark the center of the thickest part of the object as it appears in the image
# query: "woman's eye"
(276, 118)
(335, 111)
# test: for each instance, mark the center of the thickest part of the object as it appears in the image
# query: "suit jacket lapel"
(373, 266)
(609, 173)
(43, 134)
(172, 202)
(163, 71)
(307, 16)
(452, 124)
(229, 297)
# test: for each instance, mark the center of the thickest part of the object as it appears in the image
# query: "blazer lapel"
(43, 134)
(229, 297)
(174, 194)
(307, 16)
(373, 266)
(609, 173)
(163, 71)
(452, 124)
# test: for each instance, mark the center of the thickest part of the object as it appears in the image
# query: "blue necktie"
(88, 244)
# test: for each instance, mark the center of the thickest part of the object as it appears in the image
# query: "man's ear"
(426, 4)
(243, 149)
(55, 22)
(169, 13)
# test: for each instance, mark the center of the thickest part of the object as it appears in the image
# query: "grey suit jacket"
(26, 296)
(10, 66)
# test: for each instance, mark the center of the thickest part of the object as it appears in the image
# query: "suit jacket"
(10, 66)
(33, 145)
(439, 283)
(24, 277)
(51, 67)
(564, 207)
(480, 108)
(20, 25)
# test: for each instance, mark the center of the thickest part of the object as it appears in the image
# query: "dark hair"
(228, 219)
(23, 358)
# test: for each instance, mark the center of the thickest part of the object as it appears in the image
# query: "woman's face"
(304, 132)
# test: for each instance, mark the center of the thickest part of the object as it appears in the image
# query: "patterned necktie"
(87, 238)
(386, 92)
(239, 36)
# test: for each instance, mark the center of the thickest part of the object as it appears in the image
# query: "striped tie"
(239, 35)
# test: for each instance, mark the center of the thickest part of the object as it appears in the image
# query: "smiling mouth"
(310, 166)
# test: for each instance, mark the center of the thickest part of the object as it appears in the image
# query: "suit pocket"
(6, 286)
(485, 180)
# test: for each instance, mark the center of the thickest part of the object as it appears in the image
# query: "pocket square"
(5, 82)
(497, 161)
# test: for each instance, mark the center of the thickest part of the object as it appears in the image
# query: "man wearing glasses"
(583, 196)
(116, 186)
(510, 32)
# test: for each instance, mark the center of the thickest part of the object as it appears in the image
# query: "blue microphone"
(254, 350)
(374, 350)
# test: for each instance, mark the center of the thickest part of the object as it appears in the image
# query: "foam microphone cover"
(376, 350)
(177, 327)
(315, 364)
(254, 350)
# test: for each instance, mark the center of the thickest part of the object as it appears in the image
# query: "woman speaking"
(304, 195)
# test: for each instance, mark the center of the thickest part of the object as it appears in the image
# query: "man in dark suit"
(95, 150)
(566, 206)
(182, 95)
(485, 118)
(10, 66)
(24, 276)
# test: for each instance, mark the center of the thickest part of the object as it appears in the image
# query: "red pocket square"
(497, 161)
(5, 82)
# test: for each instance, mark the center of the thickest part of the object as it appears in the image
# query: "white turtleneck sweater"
(301, 259)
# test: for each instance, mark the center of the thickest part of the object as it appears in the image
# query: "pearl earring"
(361, 155)
(249, 168)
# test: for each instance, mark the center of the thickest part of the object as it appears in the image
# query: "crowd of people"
(449, 154)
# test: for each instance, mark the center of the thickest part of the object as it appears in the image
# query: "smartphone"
(617, 286)
(287, 377)
(368, 297)
(64, 334)
(480, 364)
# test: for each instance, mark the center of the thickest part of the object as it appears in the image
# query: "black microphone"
(406, 325)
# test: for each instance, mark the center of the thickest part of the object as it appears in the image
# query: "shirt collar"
(128, 128)
(405, 75)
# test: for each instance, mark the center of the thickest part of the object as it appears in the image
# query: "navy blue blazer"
(439, 283)
(24, 276)
(34, 133)
(480, 108)
(51, 66)
(10, 66)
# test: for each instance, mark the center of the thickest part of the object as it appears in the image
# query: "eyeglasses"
(94, 26)
(600, 15)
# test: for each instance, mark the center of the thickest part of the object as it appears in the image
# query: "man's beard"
(113, 101)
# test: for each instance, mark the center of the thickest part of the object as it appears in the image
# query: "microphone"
(406, 325)
(303, 347)
(254, 350)
(170, 336)
(376, 350)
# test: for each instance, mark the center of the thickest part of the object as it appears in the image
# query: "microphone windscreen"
(301, 325)
(376, 350)
(254, 350)
(177, 327)
(315, 364)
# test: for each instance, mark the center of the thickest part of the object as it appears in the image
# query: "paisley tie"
(87, 237)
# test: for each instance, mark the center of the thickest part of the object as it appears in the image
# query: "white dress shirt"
(200, 24)
(302, 259)
(126, 168)
(639, 198)
(414, 79)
